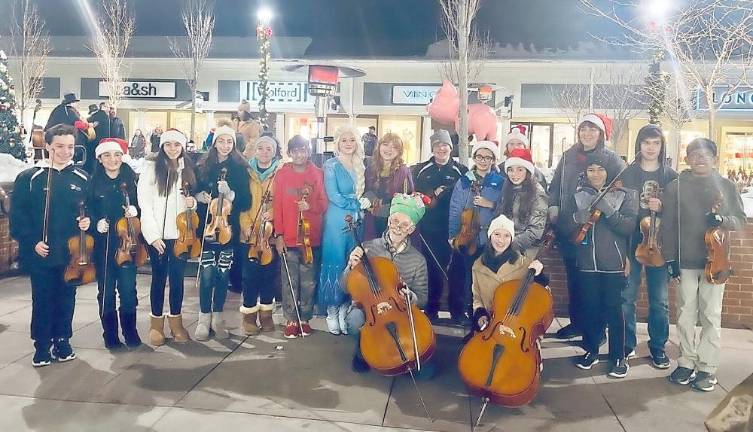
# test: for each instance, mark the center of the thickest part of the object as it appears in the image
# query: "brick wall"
(737, 309)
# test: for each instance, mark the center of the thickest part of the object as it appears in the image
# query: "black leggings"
(602, 299)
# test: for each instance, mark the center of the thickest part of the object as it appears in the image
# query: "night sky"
(362, 28)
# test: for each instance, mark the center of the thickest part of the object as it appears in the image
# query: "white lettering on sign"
(413, 95)
(739, 100)
(279, 93)
(143, 89)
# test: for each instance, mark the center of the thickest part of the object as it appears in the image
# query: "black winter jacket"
(107, 202)
(238, 181)
(69, 189)
(427, 177)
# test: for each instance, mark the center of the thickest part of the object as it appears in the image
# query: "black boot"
(128, 325)
(110, 331)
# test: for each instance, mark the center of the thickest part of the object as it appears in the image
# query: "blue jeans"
(658, 306)
(163, 266)
(213, 278)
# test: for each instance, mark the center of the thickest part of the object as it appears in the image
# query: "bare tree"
(571, 100)
(111, 39)
(709, 42)
(619, 95)
(678, 110)
(459, 16)
(31, 46)
(198, 20)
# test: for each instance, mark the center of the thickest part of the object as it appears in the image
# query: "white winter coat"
(158, 213)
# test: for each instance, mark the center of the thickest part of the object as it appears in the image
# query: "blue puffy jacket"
(462, 198)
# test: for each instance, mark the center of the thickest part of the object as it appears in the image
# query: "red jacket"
(288, 185)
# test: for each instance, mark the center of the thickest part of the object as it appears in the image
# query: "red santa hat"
(111, 144)
(518, 132)
(520, 157)
(601, 121)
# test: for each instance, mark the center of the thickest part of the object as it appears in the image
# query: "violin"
(260, 249)
(502, 363)
(396, 337)
(219, 209)
(303, 237)
(131, 247)
(718, 268)
(80, 247)
(467, 239)
(648, 251)
(187, 222)
(580, 235)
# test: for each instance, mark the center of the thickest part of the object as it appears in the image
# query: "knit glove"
(405, 291)
(713, 220)
(131, 212)
(365, 203)
(581, 216)
(606, 209)
(103, 226)
(203, 197)
(223, 187)
(480, 319)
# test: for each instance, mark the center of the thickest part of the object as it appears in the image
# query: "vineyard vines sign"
(413, 95)
(143, 89)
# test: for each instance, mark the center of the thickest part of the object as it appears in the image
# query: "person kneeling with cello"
(119, 248)
(394, 245)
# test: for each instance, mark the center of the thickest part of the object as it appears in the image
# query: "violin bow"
(104, 282)
(45, 227)
(434, 257)
(292, 291)
(201, 249)
(415, 350)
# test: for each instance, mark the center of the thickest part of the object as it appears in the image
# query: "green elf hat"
(412, 206)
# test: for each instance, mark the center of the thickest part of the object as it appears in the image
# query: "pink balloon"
(444, 108)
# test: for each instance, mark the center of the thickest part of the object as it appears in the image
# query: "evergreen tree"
(10, 140)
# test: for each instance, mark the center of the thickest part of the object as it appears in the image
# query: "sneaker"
(660, 360)
(631, 354)
(42, 357)
(619, 369)
(682, 376)
(306, 329)
(587, 361)
(333, 323)
(704, 381)
(291, 330)
(62, 351)
(568, 332)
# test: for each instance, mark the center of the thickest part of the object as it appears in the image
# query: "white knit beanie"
(502, 222)
(223, 130)
(173, 135)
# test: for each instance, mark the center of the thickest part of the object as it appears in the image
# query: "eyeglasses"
(700, 155)
(480, 158)
(404, 226)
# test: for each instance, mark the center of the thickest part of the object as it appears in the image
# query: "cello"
(502, 363)
(131, 247)
(718, 268)
(219, 208)
(467, 239)
(648, 252)
(80, 268)
(303, 236)
(187, 222)
(396, 336)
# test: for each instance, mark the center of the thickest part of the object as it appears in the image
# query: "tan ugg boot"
(156, 330)
(265, 318)
(249, 320)
(180, 335)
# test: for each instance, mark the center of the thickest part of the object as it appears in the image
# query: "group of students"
(311, 210)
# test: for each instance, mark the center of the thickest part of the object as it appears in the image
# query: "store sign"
(279, 93)
(413, 95)
(143, 89)
(739, 100)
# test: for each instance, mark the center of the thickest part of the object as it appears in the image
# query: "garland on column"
(10, 139)
(264, 35)
(656, 88)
